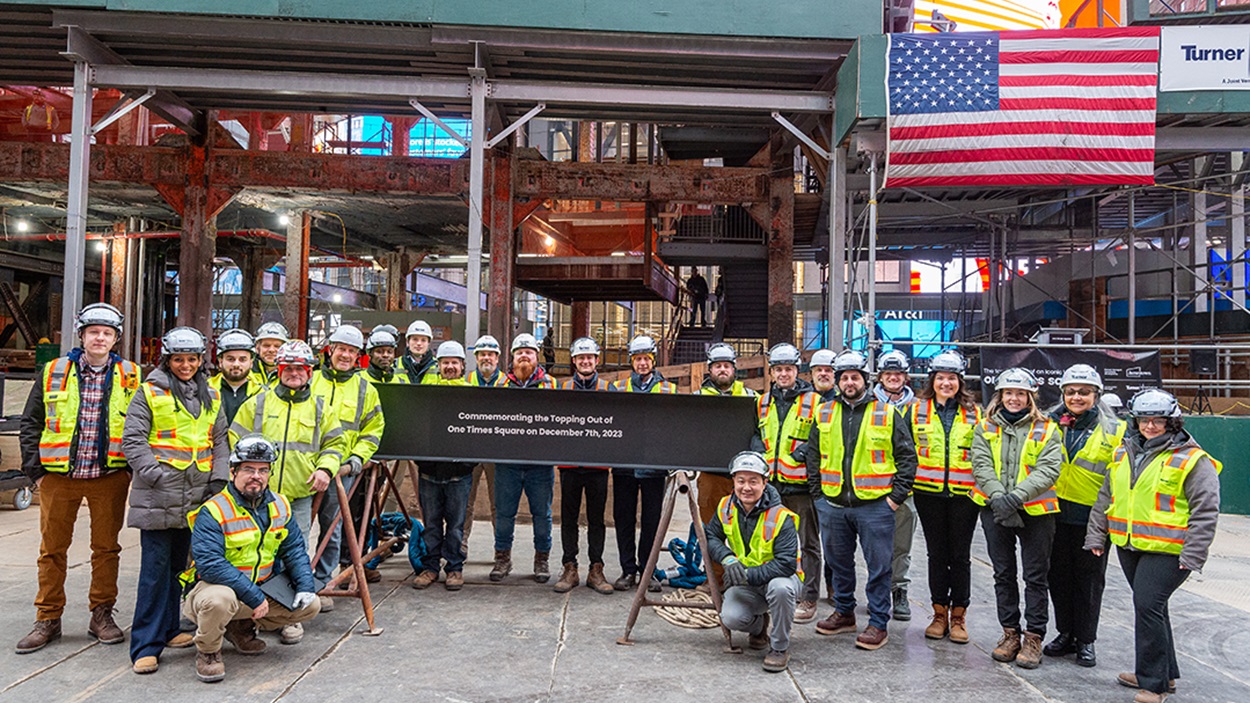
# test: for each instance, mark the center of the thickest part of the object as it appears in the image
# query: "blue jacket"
(208, 550)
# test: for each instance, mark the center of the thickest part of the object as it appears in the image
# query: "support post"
(580, 326)
(117, 268)
(872, 254)
(837, 248)
(76, 207)
(781, 246)
(295, 308)
(197, 247)
(1237, 242)
(477, 167)
(1199, 259)
(398, 266)
(401, 133)
(502, 250)
(1132, 267)
(252, 273)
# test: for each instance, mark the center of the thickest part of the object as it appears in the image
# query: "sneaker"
(103, 627)
(1008, 646)
(327, 603)
(761, 640)
(425, 579)
(776, 661)
(805, 612)
(454, 581)
(872, 638)
(292, 634)
(836, 624)
(145, 665)
(1129, 680)
(1030, 656)
(41, 635)
(902, 609)
(209, 667)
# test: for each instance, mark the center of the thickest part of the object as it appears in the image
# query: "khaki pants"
(211, 607)
(60, 497)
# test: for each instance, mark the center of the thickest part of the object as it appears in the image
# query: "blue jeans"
(538, 482)
(443, 505)
(873, 524)
(163, 556)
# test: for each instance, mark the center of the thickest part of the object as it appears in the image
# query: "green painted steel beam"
(860, 92)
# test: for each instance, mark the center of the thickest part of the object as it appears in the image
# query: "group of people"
(224, 473)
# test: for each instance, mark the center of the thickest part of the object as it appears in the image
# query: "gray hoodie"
(1202, 490)
(160, 495)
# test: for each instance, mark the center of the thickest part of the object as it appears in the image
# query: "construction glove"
(1015, 501)
(735, 572)
(1002, 508)
(354, 466)
(303, 599)
(800, 453)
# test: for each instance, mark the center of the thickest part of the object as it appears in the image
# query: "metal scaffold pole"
(76, 206)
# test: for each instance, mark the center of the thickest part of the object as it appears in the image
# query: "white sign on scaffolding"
(1205, 58)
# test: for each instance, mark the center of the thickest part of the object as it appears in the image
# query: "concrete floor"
(519, 641)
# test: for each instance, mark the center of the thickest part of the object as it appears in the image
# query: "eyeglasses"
(1153, 421)
(1078, 391)
(253, 472)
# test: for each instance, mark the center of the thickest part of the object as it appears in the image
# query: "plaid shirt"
(91, 416)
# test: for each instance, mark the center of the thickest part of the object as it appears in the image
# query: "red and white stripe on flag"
(1046, 108)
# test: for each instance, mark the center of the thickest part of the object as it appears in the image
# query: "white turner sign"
(1205, 58)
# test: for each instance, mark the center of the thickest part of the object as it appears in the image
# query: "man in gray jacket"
(175, 441)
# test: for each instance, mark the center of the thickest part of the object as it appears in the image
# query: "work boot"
(372, 575)
(902, 609)
(182, 640)
(426, 578)
(102, 626)
(1063, 644)
(209, 667)
(291, 634)
(145, 665)
(542, 572)
(327, 603)
(761, 640)
(776, 661)
(1085, 655)
(805, 612)
(1129, 680)
(44, 632)
(872, 638)
(596, 580)
(1030, 656)
(959, 626)
(654, 585)
(627, 582)
(503, 564)
(454, 580)
(836, 624)
(242, 634)
(940, 625)
(1149, 697)
(1008, 646)
(569, 579)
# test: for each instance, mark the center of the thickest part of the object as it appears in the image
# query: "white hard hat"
(1021, 379)
(349, 335)
(524, 340)
(235, 340)
(273, 330)
(583, 345)
(254, 447)
(99, 314)
(183, 340)
(949, 361)
(1153, 402)
(450, 349)
(388, 328)
(850, 360)
(486, 343)
(823, 357)
(381, 338)
(642, 344)
(295, 353)
(721, 352)
(893, 360)
(1113, 401)
(752, 462)
(420, 328)
(783, 354)
(1083, 374)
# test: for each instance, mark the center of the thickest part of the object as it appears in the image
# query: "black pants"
(1077, 579)
(594, 483)
(627, 491)
(1153, 578)
(949, 522)
(1035, 539)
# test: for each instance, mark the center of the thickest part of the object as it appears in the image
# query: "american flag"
(1046, 107)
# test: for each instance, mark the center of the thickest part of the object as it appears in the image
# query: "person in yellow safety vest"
(638, 491)
(943, 421)
(1160, 505)
(270, 337)
(486, 354)
(381, 348)
(785, 415)
(1016, 456)
(894, 387)
(71, 442)
(175, 442)
(577, 482)
(309, 436)
(238, 537)
(1091, 433)
(860, 468)
(350, 396)
(823, 383)
(756, 540)
(443, 490)
(235, 380)
(419, 363)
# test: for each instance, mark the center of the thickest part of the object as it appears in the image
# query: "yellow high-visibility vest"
(61, 405)
(1081, 477)
(176, 438)
(1040, 433)
(872, 466)
(766, 529)
(932, 473)
(1153, 514)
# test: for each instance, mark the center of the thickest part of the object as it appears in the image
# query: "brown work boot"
(959, 625)
(805, 612)
(242, 634)
(209, 667)
(1030, 656)
(872, 638)
(1008, 646)
(372, 575)
(102, 626)
(454, 580)
(1129, 679)
(424, 579)
(569, 579)
(145, 665)
(44, 632)
(542, 572)
(182, 640)
(940, 625)
(1149, 697)
(776, 661)
(761, 640)
(503, 564)
(836, 624)
(596, 580)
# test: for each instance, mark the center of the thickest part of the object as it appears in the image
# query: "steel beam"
(375, 174)
(76, 206)
(640, 182)
(659, 96)
(836, 183)
(502, 249)
(1200, 139)
(295, 307)
(197, 248)
(477, 175)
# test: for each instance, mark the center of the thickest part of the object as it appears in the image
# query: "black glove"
(1014, 520)
(1014, 501)
(800, 453)
(1002, 509)
(735, 573)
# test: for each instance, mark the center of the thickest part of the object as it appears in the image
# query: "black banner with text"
(1123, 372)
(577, 428)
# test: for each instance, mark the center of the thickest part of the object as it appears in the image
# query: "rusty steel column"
(252, 274)
(399, 264)
(401, 131)
(301, 133)
(117, 267)
(502, 252)
(580, 319)
(781, 249)
(197, 247)
(295, 303)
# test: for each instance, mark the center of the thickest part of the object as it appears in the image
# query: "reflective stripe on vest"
(782, 438)
(737, 389)
(1082, 475)
(762, 538)
(1153, 514)
(177, 438)
(933, 474)
(1040, 432)
(872, 466)
(61, 408)
(247, 549)
(475, 379)
(600, 385)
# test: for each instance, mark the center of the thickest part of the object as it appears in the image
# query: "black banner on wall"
(1123, 372)
(578, 428)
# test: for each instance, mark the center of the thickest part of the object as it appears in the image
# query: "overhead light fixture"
(549, 241)
(22, 225)
(100, 245)
(284, 220)
(338, 298)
